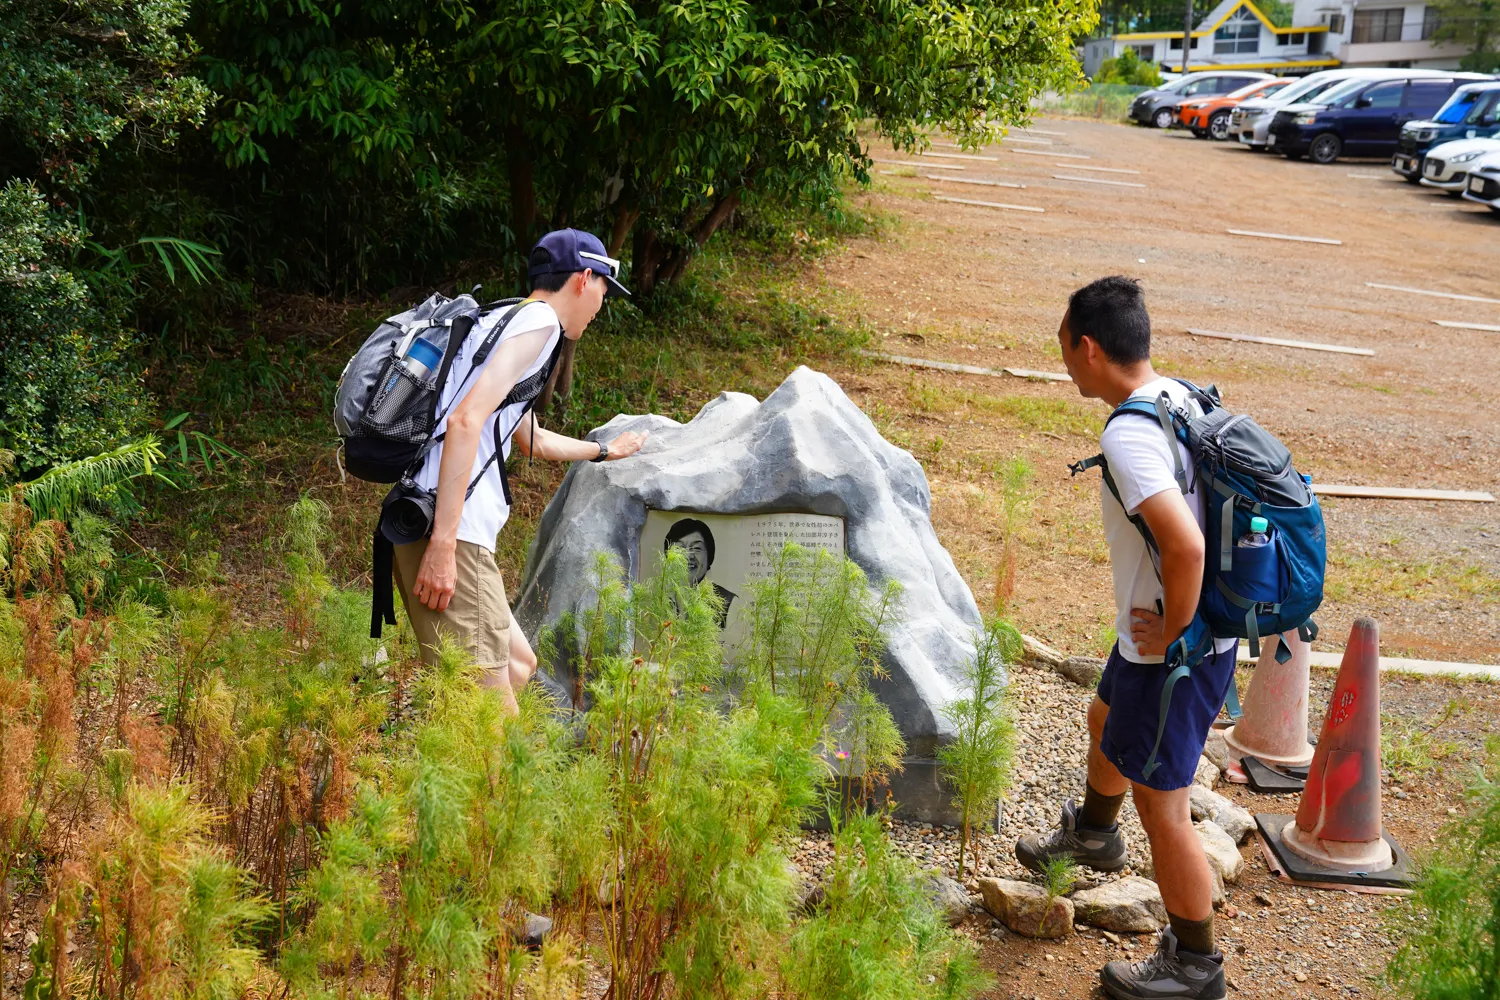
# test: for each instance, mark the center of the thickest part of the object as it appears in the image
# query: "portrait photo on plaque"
(731, 551)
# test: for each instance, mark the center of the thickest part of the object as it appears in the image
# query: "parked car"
(1473, 112)
(1208, 117)
(1155, 107)
(1251, 121)
(1446, 167)
(1484, 182)
(1361, 117)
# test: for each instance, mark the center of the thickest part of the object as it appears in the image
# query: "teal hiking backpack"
(1248, 592)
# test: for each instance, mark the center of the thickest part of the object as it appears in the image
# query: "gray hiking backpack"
(386, 408)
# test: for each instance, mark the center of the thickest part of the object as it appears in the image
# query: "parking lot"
(986, 286)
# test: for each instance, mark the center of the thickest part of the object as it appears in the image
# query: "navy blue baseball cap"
(564, 251)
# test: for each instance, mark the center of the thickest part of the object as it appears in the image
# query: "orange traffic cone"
(1274, 725)
(1338, 820)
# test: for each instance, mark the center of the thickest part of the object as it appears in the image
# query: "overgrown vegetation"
(292, 807)
(168, 165)
(1451, 934)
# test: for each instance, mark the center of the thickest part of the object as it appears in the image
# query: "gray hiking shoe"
(1101, 850)
(1180, 975)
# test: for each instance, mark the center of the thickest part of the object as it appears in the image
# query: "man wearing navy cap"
(449, 582)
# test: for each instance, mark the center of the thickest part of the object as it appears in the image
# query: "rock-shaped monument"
(806, 449)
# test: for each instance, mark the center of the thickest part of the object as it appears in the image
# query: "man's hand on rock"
(625, 445)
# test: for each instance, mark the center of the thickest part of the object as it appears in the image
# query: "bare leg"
(1105, 778)
(497, 679)
(1182, 871)
(522, 658)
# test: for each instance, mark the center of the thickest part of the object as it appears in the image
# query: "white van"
(1250, 122)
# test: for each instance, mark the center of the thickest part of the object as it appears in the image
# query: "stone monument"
(806, 449)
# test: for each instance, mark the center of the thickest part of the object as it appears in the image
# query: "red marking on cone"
(1338, 818)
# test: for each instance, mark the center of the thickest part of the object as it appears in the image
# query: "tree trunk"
(522, 193)
(676, 263)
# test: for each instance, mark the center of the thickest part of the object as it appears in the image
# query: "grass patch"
(1037, 413)
(1409, 748)
(1361, 575)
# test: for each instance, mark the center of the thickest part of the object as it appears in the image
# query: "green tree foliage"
(627, 118)
(1451, 934)
(75, 78)
(1128, 68)
(977, 760)
(1474, 23)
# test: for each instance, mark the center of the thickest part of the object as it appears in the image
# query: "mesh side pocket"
(401, 408)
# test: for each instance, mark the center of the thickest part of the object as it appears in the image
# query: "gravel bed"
(1050, 767)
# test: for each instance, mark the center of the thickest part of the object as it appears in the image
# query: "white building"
(1382, 33)
(1323, 34)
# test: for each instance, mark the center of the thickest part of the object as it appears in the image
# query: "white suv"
(1250, 123)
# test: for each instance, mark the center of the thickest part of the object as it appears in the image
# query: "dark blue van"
(1473, 112)
(1362, 117)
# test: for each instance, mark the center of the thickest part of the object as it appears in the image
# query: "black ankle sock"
(1194, 935)
(1099, 812)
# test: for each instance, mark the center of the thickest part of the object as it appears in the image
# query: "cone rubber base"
(1271, 782)
(1371, 858)
(1299, 868)
(1300, 758)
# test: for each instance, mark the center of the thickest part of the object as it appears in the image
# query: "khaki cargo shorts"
(478, 616)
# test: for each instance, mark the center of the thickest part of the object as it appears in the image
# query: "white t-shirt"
(1141, 466)
(485, 512)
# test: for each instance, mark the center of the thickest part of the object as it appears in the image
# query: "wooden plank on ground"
(1283, 236)
(1097, 180)
(1400, 665)
(972, 180)
(1439, 295)
(1043, 152)
(1401, 493)
(953, 366)
(988, 204)
(963, 156)
(1104, 170)
(1305, 345)
(1467, 326)
(914, 163)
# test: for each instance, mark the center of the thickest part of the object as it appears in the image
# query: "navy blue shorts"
(1133, 693)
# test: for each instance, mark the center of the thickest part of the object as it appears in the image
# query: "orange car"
(1210, 116)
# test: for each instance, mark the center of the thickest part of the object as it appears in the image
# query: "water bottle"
(422, 357)
(1257, 536)
(1256, 575)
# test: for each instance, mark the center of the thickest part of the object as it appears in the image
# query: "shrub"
(68, 382)
(1128, 68)
(1451, 933)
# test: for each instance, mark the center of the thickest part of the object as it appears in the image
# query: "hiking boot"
(1180, 975)
(1101, 850)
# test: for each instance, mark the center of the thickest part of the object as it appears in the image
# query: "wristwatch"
(603, 453)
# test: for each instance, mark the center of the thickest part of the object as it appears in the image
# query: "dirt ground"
(987, 287)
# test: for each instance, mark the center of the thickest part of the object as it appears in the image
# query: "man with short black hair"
(697, 544)
(1105, 338)
(449, 581)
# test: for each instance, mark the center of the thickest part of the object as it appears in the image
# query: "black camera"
(406, 513)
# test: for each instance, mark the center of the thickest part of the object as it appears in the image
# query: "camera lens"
(408, 518)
